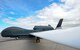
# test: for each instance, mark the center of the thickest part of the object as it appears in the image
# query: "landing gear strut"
(37, 40)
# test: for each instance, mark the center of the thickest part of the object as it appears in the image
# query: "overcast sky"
(28, 13)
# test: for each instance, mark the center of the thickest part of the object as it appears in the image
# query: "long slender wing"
(70, 37)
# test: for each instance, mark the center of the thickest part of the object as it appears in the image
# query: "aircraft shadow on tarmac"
(7, 40)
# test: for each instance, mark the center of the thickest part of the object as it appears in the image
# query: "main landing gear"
(37, 40)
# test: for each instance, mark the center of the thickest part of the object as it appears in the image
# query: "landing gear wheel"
(37, 40)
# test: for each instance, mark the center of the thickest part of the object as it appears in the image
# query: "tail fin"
(59, 23)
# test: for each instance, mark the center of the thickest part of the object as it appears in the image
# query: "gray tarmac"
(29, 44)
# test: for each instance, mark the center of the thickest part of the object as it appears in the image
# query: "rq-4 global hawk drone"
(70, 37)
